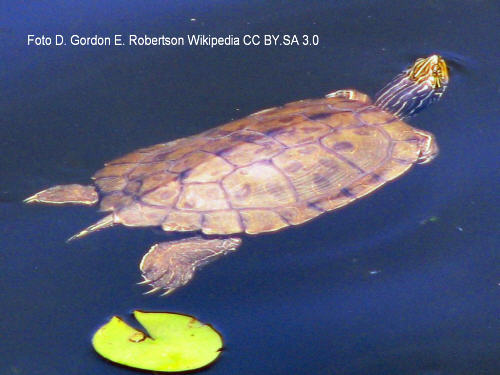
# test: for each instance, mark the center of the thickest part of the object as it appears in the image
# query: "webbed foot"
(169, 265)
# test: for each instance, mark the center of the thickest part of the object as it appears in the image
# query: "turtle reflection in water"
(275, 168)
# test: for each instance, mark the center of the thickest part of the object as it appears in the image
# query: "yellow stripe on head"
(431, 70)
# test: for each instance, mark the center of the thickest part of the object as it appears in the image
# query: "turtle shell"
(278, 167)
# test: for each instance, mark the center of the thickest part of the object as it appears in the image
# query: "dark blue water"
(374, 288)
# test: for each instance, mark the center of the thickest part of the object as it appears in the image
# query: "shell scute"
(157, 147)
(182, 221)
(144, 170)
(333, 202)
(365, 185)
(164, 194)
(298, 214)
(188, 162)
(114, 201)
(374, 116)
(289, 110)
(259, 221)
(137, 214)
(314, 171)
(202, 197)
(407, 151)
(213, 169)
(183, 147)
(230, 127)
(110, 184)
(304, 131)
(114, 170)
(340, 120)
(366, 147)
(218, 146)
(132, 187)
(271, 125)
(133, 157)
(221, 222)
(250, 147)
(392, 169)
(247, 187)
(318, 110)
(399, 130)
(156, 180)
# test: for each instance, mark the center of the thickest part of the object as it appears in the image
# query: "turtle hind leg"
(64, 194)
(169, 265)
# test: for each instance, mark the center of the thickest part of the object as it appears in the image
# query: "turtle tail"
(105, 222)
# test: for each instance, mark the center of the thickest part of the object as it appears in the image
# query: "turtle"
(275, 168)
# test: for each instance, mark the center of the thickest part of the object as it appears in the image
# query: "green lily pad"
(173, 342)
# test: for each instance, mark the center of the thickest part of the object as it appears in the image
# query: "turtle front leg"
(63, 194)
(169, 265)
(428, 146)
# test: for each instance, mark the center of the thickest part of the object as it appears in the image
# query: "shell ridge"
(223, 158)
(270, 137)
(319, 120)
(341, 157)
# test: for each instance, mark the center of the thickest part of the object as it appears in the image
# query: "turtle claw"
(32, 199)
(166, 293)
(143, 282)
(76, 236)
(152, 291)
(153, 288)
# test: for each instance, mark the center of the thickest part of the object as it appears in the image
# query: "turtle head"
(415, 88)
